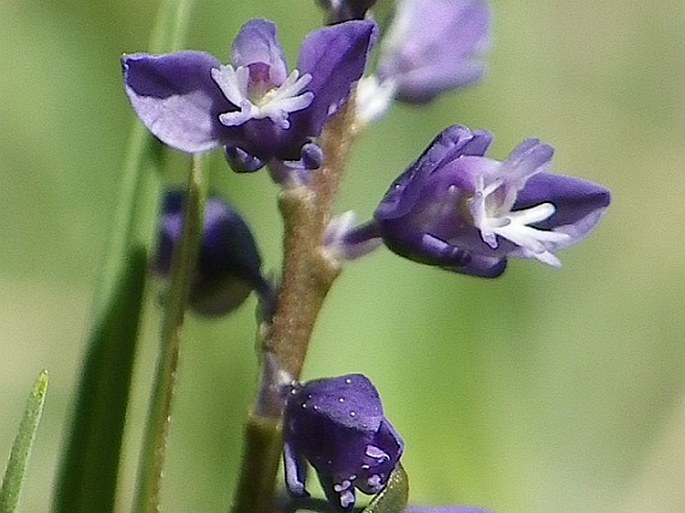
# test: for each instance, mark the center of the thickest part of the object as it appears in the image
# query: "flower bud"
(338, 426)
(434, 46)
(228, 264)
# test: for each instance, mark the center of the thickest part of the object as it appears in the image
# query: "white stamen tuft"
(376, 452)
(492, 219)
(374, 98)
(374, 481)
(342, 486)
(276, 104)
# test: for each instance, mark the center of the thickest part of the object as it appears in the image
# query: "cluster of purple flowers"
(453, 208)
(228, 266)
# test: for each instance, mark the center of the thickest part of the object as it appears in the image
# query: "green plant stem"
(262, 450)
(21, 449)
(89, 467)
(143, 155)
(308, 273)
(182, 272)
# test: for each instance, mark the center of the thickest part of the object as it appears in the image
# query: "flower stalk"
(182, 271)
(308, 274)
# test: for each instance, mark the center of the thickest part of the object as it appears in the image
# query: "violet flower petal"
(434, 46)
(450, 144)
(579, 204)
(242, 161)
(257, 42)
(176, 99)
(335, 56)
(422, 85)
(295, 469)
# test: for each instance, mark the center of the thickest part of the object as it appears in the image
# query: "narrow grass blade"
(153, 452)
(21, 450)
(90, 466)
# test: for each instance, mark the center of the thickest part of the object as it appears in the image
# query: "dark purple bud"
(312, 156)
(292, 173)
(228, 265)
(338, 426)
(241, 161)
(457, 209)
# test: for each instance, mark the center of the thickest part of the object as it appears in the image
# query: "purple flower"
(432, 46)
(253, 107)
(228, 263)
(457, 209)
(337, 425)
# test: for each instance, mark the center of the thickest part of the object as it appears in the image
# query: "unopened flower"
(254, 107)
(338, 426)
(228, 263)
(435, 46)
(459, 210)
(432, 46)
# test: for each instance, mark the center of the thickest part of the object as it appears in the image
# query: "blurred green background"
(544, 391)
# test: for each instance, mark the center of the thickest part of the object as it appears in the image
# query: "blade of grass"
(90, 465)
(89, 468)
(21, 449)
(182, 271)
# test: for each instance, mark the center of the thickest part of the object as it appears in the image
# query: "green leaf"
(393, 498)
(90, 465)
(88, 477)
(21, 450)
(153, 452)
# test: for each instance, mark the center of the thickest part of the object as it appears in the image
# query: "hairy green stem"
(308, 273)
(182, 272)
(255, 492)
